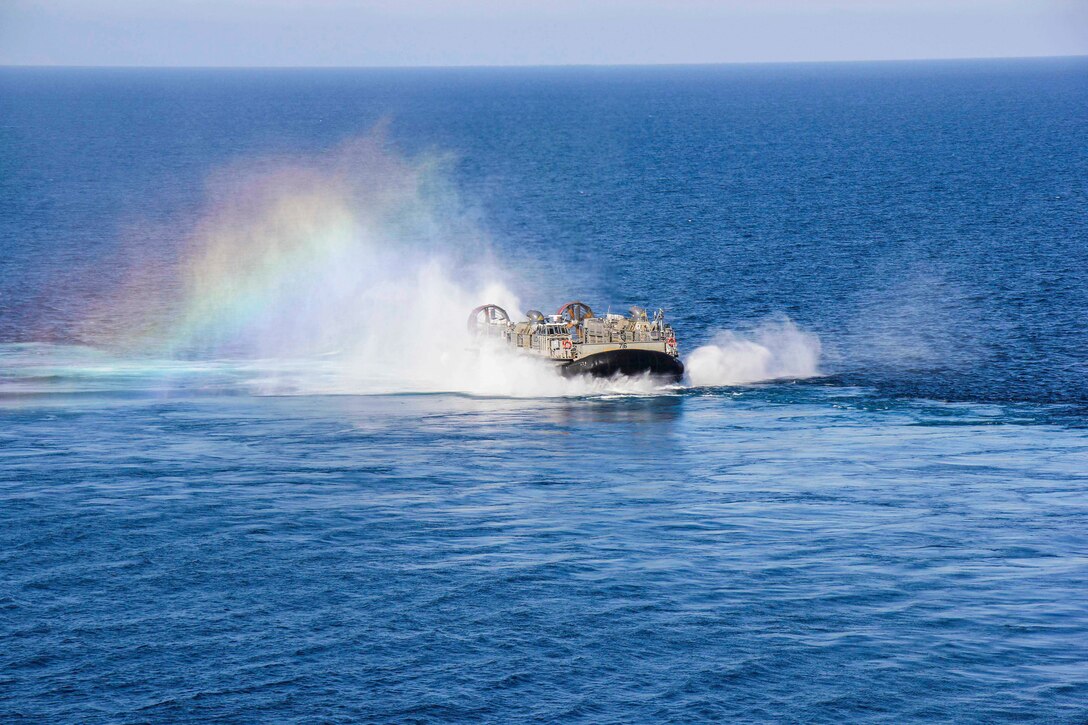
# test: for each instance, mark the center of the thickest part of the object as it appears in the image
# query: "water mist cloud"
(771, 352)
(352, 272)
(348, 272)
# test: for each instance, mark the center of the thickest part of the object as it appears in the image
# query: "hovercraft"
(582, 343)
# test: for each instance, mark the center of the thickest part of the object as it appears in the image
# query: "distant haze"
(529, 32)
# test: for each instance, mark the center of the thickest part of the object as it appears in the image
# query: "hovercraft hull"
(626, 362)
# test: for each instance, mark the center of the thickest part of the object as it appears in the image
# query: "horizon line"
(469, 66)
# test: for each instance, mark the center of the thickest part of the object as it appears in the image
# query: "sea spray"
(770, 352)
(350, 272)
(355, 248)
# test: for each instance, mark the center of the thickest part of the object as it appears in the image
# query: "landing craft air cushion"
(581, 343)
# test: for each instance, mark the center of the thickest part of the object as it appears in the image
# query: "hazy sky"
(529, 32)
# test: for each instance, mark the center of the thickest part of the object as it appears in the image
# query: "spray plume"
(773, 351)
(351, 272)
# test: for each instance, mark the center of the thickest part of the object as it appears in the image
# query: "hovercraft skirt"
(626, 362)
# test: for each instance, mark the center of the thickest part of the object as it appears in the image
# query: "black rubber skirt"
(626, 362)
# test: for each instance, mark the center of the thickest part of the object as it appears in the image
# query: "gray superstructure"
(581, 342)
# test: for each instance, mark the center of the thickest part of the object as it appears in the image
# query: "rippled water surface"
(198, 524)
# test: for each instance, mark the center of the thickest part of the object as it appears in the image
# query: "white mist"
(770, 352)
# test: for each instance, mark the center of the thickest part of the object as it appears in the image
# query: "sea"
(253, 467)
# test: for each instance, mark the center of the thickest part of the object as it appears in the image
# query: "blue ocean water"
(898, 535)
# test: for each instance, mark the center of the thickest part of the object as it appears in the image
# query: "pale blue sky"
(529, 32)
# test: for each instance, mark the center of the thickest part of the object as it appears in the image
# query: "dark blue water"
(900, 537)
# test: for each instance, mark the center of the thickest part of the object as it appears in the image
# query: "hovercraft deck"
(582, 343)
